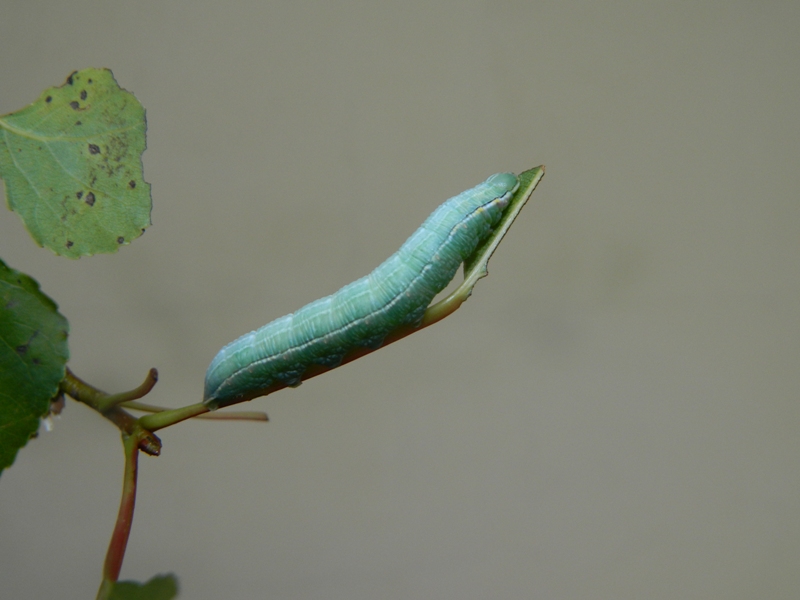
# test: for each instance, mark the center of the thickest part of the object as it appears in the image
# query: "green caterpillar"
(362, 313)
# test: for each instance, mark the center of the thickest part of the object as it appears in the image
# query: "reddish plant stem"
(122, 528)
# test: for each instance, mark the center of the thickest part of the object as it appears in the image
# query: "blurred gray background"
(615, 412)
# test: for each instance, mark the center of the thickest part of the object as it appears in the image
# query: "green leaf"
(72, 165)
(160, 587)
(475, 267)
(33, 358)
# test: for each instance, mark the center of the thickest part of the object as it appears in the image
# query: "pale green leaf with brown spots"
(72, 166)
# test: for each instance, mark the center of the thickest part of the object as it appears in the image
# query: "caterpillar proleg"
(362, 313)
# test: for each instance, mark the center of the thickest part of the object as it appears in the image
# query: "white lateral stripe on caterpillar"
(362, 313)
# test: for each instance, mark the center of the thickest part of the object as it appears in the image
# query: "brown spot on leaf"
(36, 361)
(21, 349)
(48, 99)
(120, 240)
(83, 94)
(74, 104)
(94, 149)
(69, 79)
(69, 243)
(131, 184)
(78, 123)
(90, 199)
(79, 195)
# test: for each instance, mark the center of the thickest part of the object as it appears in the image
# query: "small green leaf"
(475, 265)
(72, 166)
(160, 587)
(33, 358)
